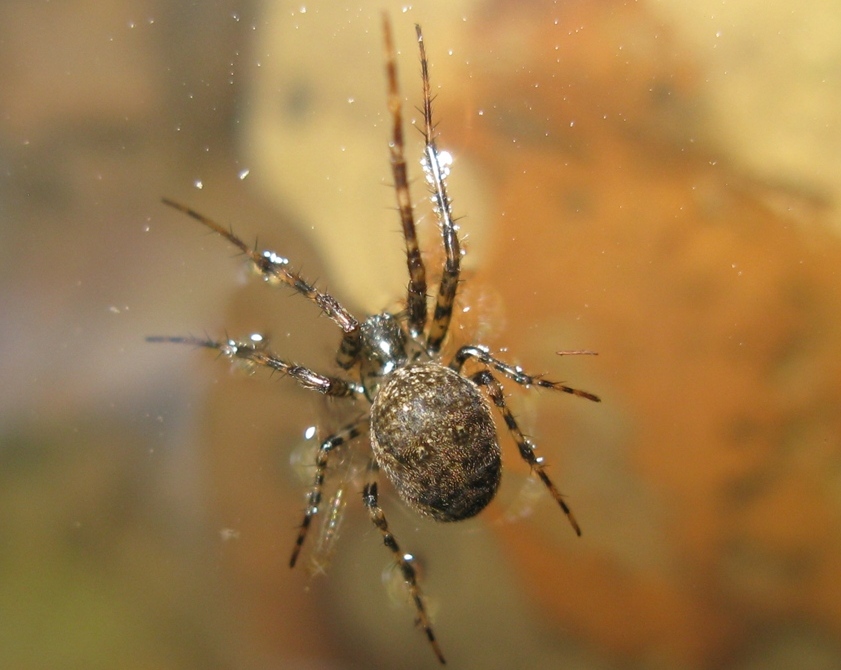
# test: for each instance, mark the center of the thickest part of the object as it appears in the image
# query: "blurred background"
(657, 181)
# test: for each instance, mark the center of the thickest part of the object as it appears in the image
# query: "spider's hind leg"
(343, 436)
(486, 379)
(370, 497)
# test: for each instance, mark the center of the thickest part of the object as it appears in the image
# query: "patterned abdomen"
(433, 435)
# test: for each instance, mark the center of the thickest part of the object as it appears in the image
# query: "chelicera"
(430, 424)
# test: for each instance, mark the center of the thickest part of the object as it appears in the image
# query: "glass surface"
(651, 181)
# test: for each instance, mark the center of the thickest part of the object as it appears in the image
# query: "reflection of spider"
(430, 426)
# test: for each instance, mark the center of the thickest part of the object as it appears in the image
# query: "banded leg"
(274, 270)
(515, 373)
(256, 355)
(369, 495)
(494, 388)
(343, 436)
(416, 299)
(437, 168)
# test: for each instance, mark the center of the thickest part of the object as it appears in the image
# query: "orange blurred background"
(654, 182)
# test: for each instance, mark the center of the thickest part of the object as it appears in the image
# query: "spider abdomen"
(433, 435)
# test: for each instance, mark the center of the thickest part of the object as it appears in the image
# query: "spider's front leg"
(436, 165)
(416, 299)
(369, 496)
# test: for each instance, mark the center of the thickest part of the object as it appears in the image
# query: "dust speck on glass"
(429, 424)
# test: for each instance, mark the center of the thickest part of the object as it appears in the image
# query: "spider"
(429, 424)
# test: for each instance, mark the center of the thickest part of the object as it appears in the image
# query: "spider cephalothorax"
(430, 425)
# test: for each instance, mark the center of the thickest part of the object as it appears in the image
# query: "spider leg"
(494, 389)
(328, 537)
(437, 168)
(346, 434)
(369, 496)
(516, 374)
(256, 355)
(274, 270)
(416, 299)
